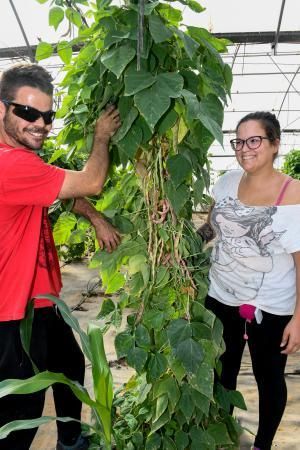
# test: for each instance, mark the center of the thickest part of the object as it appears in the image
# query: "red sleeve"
(28, 180)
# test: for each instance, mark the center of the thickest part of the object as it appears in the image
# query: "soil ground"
(78, 279)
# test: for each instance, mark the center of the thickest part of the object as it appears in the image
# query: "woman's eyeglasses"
(252, 143)
(29, 113)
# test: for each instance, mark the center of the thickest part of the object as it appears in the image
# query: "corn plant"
(100, 404)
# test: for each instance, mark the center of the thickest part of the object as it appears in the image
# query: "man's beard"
(20, 137)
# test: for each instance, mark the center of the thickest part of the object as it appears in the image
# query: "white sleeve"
(287, 222)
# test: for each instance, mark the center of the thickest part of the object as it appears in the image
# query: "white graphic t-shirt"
(251, 259)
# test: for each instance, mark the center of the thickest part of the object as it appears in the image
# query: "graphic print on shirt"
(241, 256)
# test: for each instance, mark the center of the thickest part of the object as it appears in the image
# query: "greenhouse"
(150, 191)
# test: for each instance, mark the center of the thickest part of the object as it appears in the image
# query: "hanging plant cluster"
(170, 85)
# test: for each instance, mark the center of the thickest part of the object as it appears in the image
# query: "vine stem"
(175, 137)
(161, 172)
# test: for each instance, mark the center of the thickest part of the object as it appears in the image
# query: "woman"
(255, 272)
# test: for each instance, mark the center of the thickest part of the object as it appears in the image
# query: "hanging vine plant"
(170, 85)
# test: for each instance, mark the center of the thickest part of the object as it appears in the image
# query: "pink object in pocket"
(247, 312)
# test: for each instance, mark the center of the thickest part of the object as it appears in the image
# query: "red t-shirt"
(28, 259)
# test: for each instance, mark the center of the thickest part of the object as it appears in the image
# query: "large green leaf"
(237, 399)
(136, 81)
(74, 17)
(228, 77)
(190, 354)
(129, 144)
(159, 423)
(203, 380)
(113, 283)
(178, 331)
(153, 319)
(161, 405)
(182, 440)
(198, 187)
(137, 358)
(153, 442)
(204, 37)
(124, 342)
(167, 122)
(177, 196)
(201, 401)
(42, 381)
(64, 50)
(152, 104)
(158, 30)
(170, 14)
(210, 112)
(170, 84)
(56, 16)
(26, 331)
(113, 36)
(191, 46)
(192, 104)
(212, 106)
(157, 366)
(168, 385)
(63, 227)
(118, 58)
(126, 124)
(142, 337)
(193, 5)
(186, 404)
(107, 308)
(43, 51)
(27, 424)
(201, 439)
(179, 169)
(219, 433)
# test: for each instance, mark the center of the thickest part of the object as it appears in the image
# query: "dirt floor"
(78, 279)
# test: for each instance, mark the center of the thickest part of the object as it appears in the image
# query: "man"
(28, 259)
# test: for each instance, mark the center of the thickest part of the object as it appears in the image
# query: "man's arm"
(90, 180)
(107, 236)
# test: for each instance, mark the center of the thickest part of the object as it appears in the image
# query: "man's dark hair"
(21, 75)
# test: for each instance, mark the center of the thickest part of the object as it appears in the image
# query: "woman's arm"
(206, 231)
(291, 334)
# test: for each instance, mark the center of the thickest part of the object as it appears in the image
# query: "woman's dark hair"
(22, 75)
(268, 121)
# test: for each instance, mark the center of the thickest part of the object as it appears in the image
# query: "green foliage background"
(170, 85)
(291, 165)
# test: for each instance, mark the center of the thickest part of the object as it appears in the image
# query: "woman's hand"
(291, 336)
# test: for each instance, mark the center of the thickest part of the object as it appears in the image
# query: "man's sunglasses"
(30, 114)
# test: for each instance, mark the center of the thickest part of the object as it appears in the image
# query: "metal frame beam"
(274, 46)
(257, 37)
(261, 37)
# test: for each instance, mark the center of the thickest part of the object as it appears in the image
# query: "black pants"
(54, 348)
(267, 362)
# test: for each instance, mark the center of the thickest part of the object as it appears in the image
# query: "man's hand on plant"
(107, 235)
(108, 123)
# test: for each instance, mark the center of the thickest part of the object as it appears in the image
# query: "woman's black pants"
(267, 362)
(53, 348)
